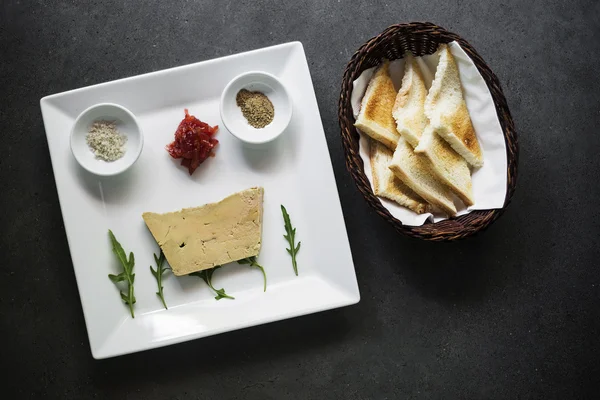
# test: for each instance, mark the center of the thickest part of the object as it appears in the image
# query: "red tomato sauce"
(193, 142)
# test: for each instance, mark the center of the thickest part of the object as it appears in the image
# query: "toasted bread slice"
(450, 168)
(446, 109)
(416, 172)
(375, 116)
(387, 185)
(409, 108)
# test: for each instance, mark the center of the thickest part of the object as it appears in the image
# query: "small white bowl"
(126, 125)
(234, 120)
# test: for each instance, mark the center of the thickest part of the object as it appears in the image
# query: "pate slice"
(199, 238)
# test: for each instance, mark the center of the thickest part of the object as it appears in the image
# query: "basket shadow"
(461, 272)
(448, 272)
(458, 272)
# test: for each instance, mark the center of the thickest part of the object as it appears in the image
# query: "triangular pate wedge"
(387, 185)
(375, 116)
(409, 108)
(199, 238)
(446, 109)
(416, 172)
(449, 167)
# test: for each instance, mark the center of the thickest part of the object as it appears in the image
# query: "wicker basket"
(422, 38)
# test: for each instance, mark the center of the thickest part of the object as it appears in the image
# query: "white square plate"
(295, 171)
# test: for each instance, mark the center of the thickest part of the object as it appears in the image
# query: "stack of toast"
(422, 142)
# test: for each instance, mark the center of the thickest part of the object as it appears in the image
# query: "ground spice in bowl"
(105, 141)
(256, 108)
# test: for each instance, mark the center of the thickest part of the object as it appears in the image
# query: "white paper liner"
(489, 181)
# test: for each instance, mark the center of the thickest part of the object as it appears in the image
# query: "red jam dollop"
(193, 142)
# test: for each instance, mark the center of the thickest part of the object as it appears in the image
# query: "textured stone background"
(511, 313)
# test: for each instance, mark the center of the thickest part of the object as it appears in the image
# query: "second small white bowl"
(126, 124)
(234, 120)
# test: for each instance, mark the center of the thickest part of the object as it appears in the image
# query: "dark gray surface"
(511, 313)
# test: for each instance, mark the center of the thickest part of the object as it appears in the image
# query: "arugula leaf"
(290, 236)
(206, 275)
(127, 274)
(117, 278)
(253, 263)
(158, 273)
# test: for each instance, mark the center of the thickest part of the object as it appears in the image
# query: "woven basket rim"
(456, 227)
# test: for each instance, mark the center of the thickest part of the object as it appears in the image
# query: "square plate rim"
(49, 97)
(100, 352)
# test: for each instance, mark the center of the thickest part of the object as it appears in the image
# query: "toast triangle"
(375, 116)
(450, 168)
(447, 111)
(409, 107)
(387, 185)
(415, 171)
